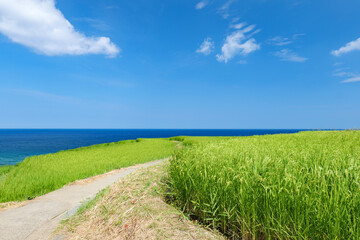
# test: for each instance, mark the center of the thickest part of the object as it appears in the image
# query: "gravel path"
(40, 217)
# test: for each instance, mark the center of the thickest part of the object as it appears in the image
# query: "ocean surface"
(17, 144)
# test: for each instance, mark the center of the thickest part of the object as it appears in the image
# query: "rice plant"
(288, 186)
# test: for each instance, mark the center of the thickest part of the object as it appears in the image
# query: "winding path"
(40, 217)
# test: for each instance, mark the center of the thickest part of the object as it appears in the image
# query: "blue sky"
(179, 64)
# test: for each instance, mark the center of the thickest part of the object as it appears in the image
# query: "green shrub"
(179, 139)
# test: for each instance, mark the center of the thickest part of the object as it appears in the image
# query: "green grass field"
(289, 186)
(4, 170)
(38, 175)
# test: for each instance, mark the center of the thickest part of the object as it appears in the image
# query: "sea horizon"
(18, 143)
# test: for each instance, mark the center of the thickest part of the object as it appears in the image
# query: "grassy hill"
(39, 175)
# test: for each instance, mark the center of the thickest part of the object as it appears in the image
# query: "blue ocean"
(17, 144)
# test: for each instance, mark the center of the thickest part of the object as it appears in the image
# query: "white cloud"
(345, 72)
(201, 5)
(238, 43)
(350, 80)
(349, 47)
(238, 25)
(298, 35)
(290, 56)
(235, 19)
(226, 5)
(279, 41)
(206, 47)
(224, 9)
(39, 25)
(282, 41)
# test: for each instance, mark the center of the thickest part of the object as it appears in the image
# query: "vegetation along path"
(38, 218)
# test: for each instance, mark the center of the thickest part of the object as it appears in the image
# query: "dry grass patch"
(10, 205)
(134, 209)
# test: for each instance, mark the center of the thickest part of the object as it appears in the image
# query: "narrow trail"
(40, 217)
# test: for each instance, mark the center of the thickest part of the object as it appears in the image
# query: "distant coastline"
(17, 144)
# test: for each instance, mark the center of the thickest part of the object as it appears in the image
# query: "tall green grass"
(290, 186)
(4, 171)
(41, 174)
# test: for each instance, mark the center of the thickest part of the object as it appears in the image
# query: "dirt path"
(40, 217)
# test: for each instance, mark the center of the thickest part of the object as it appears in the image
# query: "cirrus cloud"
(349, 47)
(224, 9)
(201, 5)
(345, 72)
(39, 25)
(282, 41)
(351, 80)
(290, 56)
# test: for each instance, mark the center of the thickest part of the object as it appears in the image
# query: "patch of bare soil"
(134, 208)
